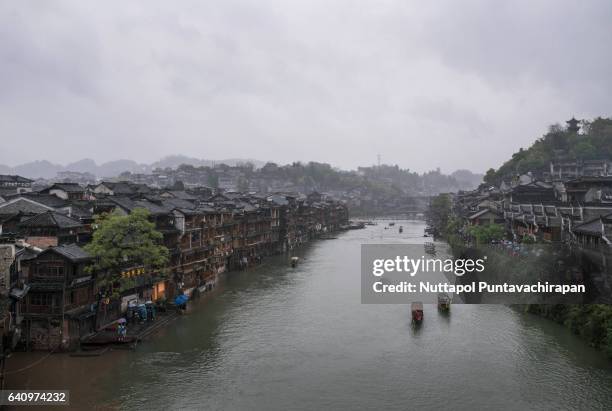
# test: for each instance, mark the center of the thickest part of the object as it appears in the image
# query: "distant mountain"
(114, 168)
(108, 169)
(236, 161)
(37, 169)
(47, 170)
(86, 165)
(176, 160)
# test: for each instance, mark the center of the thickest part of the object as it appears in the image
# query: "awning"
(19, 293)
(181, 299)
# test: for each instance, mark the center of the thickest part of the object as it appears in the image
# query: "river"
(278, 338)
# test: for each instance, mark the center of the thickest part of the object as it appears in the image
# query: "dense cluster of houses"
(50, 300)
(571, 204)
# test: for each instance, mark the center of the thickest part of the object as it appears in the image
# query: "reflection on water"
(278, 337)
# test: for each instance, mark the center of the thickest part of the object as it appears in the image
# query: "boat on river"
(416, 309)
(358, 225)
(391, 224)
(444, 302)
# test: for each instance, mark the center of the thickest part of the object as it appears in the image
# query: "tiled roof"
(178, 203)
(68, 187)
(51, 219)
(183, 195)
(591, 227)
(7, 178)
(206, 208)
(23, 205)
(124, 202)
(152, 207)
(46, 199)
(71, 251)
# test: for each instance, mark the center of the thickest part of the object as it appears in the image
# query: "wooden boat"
(104, 340)
(417, 312)
(294, 261)
(444, 302)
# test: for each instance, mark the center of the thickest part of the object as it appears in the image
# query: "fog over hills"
(460, 179)
(466, 178)
(46, 169)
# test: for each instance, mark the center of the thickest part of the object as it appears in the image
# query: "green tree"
(490, 177)
(486, 233)
(585, 149)
(121, 242)
(438, 213)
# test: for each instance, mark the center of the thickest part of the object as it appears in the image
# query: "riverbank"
(591, 322)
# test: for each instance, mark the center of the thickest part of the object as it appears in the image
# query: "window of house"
(195, 236)
(49, 270)
(41, 299)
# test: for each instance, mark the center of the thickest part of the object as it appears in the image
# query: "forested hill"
(586, 140)
(380, 181)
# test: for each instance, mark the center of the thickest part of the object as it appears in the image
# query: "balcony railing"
(42, 309)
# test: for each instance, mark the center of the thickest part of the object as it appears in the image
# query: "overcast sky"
(454, 84)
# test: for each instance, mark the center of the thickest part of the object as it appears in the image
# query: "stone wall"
(44, 335)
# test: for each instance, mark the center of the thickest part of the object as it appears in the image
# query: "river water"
(278, 338)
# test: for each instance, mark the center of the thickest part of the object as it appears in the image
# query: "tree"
(489, 177)
(438, 213)
(584, 149)
(486, 233)
(120, 242)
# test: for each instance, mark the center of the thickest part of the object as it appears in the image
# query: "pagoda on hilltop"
(572, 125)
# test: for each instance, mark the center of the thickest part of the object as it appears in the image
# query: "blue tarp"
(181, 299)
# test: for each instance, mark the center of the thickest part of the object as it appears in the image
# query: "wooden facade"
(58, 308)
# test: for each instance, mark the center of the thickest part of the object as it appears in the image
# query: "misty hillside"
(48, 170)
(174, 161)
(591, 140)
